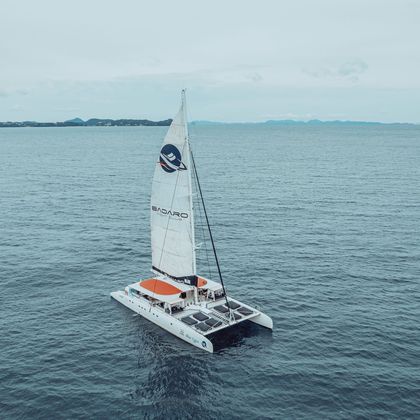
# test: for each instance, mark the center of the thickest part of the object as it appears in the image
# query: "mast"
(187, 140)
(172, 229)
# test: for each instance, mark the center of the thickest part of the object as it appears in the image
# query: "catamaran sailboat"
(176, 298)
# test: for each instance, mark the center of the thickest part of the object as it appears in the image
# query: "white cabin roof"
(204, 283)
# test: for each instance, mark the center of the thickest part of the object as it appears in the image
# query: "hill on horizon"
(300, 122)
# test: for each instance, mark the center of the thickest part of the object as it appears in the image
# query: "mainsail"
(172, 220)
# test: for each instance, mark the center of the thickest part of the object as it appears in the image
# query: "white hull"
(165, 321)
(263, 320)
(175, 326)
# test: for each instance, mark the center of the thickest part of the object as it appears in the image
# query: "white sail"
(172, 222)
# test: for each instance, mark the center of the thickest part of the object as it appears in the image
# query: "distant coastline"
(107, 122)
(93, 122)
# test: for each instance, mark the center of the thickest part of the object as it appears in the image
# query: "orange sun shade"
(201, 282)
(159, 287)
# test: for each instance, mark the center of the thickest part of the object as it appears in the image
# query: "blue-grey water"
(317, 225)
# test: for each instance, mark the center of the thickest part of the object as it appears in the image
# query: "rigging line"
(202, 229)
(205, 247)
(210, 234)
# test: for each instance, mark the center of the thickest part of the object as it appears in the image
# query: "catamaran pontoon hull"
(176, 324)
(164, 321)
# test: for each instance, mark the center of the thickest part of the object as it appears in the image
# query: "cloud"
(352, 68)
(254, 77)
(349, 70)
(67, 109)
(10, 92)
(22, 92)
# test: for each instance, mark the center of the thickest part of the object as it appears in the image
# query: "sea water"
(318, 225)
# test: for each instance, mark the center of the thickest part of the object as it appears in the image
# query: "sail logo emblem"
(170, 159)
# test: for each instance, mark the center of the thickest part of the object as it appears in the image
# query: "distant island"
(310, 122)
(93, 122)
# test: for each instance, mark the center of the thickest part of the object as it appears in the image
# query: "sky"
(239, 60)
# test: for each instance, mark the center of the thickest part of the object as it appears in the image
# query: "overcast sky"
(240, 60)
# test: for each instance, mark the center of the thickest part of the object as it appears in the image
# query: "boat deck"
(196, 322)
(210, 317)
(205, 312)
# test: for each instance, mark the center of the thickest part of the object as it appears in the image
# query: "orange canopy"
(159, 287)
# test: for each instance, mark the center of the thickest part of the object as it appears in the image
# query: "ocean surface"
(319, 226)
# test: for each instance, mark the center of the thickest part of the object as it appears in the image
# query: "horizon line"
(79, 120)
